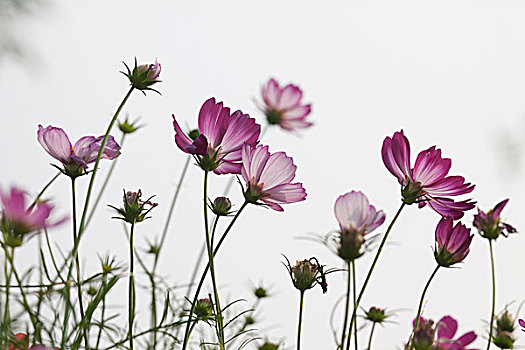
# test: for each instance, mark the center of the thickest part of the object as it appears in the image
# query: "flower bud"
(194, 134)
(143, 76)
(203, 308)
(249, 320)
(128, 127)
(503, 340)
(505, 322)
(375, 315)
(221, 206)
(306, 274)
(134, 208)
(350, 242)
(92, 291)
(269, 346)
(424, 335)
(260, 293)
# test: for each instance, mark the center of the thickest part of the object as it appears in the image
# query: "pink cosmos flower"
(18, 219)
(75, 158)
(427, 181)
(489, 224)
(218, 147)
(452, 242)
(283, 106)
(447, 328)
(268, 177)
(522, 324)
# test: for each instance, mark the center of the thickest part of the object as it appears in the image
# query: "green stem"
(7, 316)
(105, 183)
(355, 296)
(383, 241)
(301, 300)
(44, 189)
(423, 296)
(77, 260)
(102, 312)
(493, 293)
(371, 334)
(220, 330)
(347, 306)
(204, 273)
(131, 292)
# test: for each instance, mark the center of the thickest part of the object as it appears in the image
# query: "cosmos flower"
(427, 182)
(75, 158)
(283, 106)
(222, 135)
(452, 242)
(446, 330)
(489, 223)
(269, 177)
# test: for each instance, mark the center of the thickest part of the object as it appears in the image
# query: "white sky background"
(450, 74)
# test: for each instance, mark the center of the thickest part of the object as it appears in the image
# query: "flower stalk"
(491, 326)
(301, 301)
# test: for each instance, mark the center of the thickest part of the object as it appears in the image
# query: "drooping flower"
(19, 219)
(446, 330)
(75, 158)
(489, 223)
(143, 76)
(221, 136)
(452, 242)
(283, 106)
(427, 181)
(269, 177)
(357, 218)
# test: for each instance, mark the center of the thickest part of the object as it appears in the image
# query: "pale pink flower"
(452, 242)
(75, 158)
(446, 330)
(427, 181)
(354, 212)
(269, 177)
(283, 106)
(218, 147)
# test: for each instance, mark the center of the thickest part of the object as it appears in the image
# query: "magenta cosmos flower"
(75, 158)
(283, 106)
(269, 177)
(356, 217)
(218, 147)
(452, 242)
(489, 224)
(446, 330)
(19, 219)
(427, 181)
(522, 324)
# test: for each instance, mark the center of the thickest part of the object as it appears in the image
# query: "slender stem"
(102, 312)
(423, 297)
(45, 188)
(77, 261)
(301, 300)
(104, 184)
(131, 292)
(220, 330)
(383, 241)
(371, 334)
(355, 296)
(347, 306)
(493, 293)
(204, 273)
(7, 316)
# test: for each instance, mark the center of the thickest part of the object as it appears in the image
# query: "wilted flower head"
(221, 136)
(221, 206)
(446, 330)
(357, 218)
(306, 274)
(135, 209)
(75, 158)
(489, 224)
(427, 182)
(423, 337)
(143, 76)
(268, 177)
(452, 242)
(19, 219)
(283, 106)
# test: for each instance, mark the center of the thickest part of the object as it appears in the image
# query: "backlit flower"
(221, 136)
(452, 242)
(143, 76)
(269, 177)
(489, 224)
(427, 181)
(283, 106)
(19, 219)
(446, 330)
(75, 158)
(356, 217)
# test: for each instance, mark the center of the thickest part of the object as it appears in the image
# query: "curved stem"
(39, 195)
(347, 306)
(371, 334)
(131, 291)
(204, 273)
(77, 260)
(383, 241)
(493, 293)
(301, 300)
(355, 306)
(423, 297)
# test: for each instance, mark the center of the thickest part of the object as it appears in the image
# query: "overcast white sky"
(450, 74)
